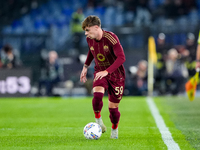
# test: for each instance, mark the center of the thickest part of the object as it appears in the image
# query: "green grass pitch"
(57, 124)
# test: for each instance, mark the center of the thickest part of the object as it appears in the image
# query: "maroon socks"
(97, 103)
(114, 117)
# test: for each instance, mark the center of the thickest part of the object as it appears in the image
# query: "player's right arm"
(88, 61)
(83, 77)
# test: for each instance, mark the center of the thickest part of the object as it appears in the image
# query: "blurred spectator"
(76, 28)
(51, 73)
(180, 8)
(139, 78)
(96, 3)
(191, 47)
(173, 9)
(183, 52)
(143, 15)
(162, 47)
(9, 57)
(170, 10)
(159, 13)
(176, 73)
(130, 5)
(190, 4)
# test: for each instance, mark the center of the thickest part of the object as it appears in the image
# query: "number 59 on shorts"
(119, 90)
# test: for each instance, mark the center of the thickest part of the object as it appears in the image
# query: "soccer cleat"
(114, 134)
(100, 122)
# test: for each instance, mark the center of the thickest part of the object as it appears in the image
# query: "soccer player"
(109, 75)
(198, 53)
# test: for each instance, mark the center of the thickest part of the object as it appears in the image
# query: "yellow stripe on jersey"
(110, 38)
(199, 38)
(109, 35)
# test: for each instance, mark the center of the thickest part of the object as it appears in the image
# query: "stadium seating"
(55, 16)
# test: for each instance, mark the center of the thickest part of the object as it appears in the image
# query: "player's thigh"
(100, 85)
(115, 91)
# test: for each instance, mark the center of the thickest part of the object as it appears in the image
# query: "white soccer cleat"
(114, 134)
(100, 122)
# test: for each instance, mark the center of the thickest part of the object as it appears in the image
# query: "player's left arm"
(119, 53)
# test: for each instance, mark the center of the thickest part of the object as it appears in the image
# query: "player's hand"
(83, 75)
(100, 75)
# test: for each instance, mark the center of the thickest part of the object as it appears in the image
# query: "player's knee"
(113, 105)
(98, 89)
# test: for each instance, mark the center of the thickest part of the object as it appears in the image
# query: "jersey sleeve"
(90, 57)
(119, 53)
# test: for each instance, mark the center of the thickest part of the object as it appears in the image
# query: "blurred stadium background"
(35, 27)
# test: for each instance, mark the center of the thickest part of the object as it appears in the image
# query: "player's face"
(91, 32)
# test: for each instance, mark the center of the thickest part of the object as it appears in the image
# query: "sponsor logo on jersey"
(100, 57)
(104, 64)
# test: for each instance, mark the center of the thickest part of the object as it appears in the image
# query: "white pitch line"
(165, 133)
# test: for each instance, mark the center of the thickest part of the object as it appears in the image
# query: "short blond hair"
(91, 21)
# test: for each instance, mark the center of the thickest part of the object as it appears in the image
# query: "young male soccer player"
(198, 53)
(109, 75)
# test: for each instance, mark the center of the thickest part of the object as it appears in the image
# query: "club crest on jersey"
(105, 48)
(100, 57)
(91, 48)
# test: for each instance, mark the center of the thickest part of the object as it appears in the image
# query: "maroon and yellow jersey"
(108, 55)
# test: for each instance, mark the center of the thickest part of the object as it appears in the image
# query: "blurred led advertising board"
(15, 82)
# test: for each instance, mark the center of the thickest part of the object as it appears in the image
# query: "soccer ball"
(92, 130)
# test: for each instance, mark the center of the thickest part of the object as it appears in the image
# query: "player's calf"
(97, 103)
(114, 117)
